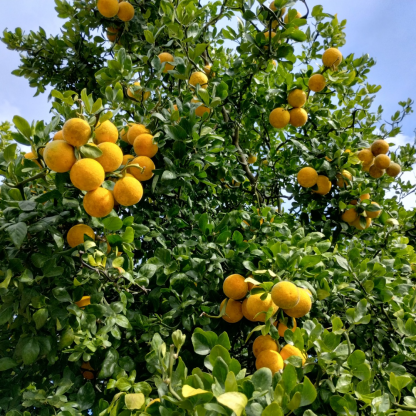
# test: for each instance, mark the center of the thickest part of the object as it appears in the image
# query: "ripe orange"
(145, 163)
(233, 311)
(234, 287)
(144, 145)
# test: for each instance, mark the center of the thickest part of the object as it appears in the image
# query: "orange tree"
(173, 161)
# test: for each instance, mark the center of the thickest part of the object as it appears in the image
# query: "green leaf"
(30, 351)
(9, 152)
(90, 151)
(67, 338)
(23, 126)
(309, 261)
(85, 100)
(289, 378)
(40, 317)
(134, 401)
(199, 49)
(109, 364)
(113, 223)
(7, 363)
(273, 409)
(17, 233)
(262, 379)
(86, 396)
(230, 382)
(149, 36)
(295, 401)
(61, 294)
(234, 401)
(308, 394)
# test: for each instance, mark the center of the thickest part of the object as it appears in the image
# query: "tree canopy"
(183, 149)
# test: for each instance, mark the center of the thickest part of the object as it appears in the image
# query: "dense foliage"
(153, 328)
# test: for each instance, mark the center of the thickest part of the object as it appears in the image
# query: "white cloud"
(8, 111)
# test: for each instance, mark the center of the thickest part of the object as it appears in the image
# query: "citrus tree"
(209, 223)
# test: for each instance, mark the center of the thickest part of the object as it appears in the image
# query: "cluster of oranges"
(296, 302)
(111, 8)
(297, 116)
(363, 212)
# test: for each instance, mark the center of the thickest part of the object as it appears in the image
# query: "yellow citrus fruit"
(366, 167)
(263, 343)
(234, 287)
(87, 174)
(303, 307)
(112, 33)
(307, 177)
(289, 351)
(382, 161)
(124, 131)
(125, 11)
(350, 215)
(135, 130)
(126, 159)
(356, 223)
(201, 109)
(344, 177)
(316, 83)
(366, 156)
(108, 8)
(252, 159)
(82, 303)
(145, 146)
(58, 135)
(233, 311)
(76, 132)
(99, 202)
(146, 163)
(298, 117)
(138, 94)
(296, 98)
(128, 191)
(207, 69)
(282, 327)
(112, 156)
(279, 118)
(298, 16)
(379, 147)
(324, 185)
(257, 306)
(332, 57)
(32, 157)
(393, 170)
(106, 132)
(267, 34)
(245, 312)
(75, 235)
(152, 402)
(198, 78)
(59, 156)
(373, 214)
(166, 57)
(271, 360)
(375, 172)
(285, 295)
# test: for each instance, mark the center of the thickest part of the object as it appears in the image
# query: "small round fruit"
(138, 94)
(373, 214)
(279, 118)
(59, 156)
(76, 234)
(317, 83)
(324, 185)
(382, 161)
(258, 308)
(267, 34)
(233, 311)
(234, 287)
(366, 167)
(298, 117)
(245, 312)
(303, 307)
(379, 147)
(271, 360)
(289, 351)
(112, 156)
(58, 135)
(32, 157)
(76, 132)
(125, 11)
(285, 295)
(349, 215)
(207, 70)
(263, 343)
(201, 109)
(108, 8)
(282, 328)
(145, 146)
(344, 177)
(106, 132)
(296, 98)
(366, 156)
(332, 57)
(112, 33)
(136, 130)
(375, 172)
(307, 177)
(87, 174)
(124, 131)
(252, 159)
(127, 159)
(357, 223)
(128, 191)
(166, 57)
(99, 202)
(198, 78)
(146, 163)
(393, 170)
(298, 16)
